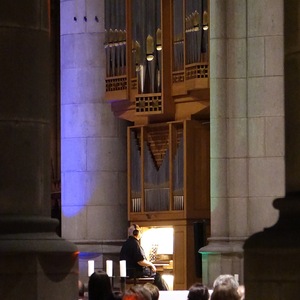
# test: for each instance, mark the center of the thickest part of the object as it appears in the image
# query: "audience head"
(226, 279)
(198, 292)
(224, 292)
(153, 289)
(99, 286)
(137, 292)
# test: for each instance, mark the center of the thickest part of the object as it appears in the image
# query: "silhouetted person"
(225, 292)
(198, 291)
(136, 263)
(99, 286)
(137, 292)
(153, 289)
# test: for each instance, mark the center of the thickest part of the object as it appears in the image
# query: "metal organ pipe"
(135, 174)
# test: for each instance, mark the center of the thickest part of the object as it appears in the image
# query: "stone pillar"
(34, 262)
(272, 256)
(94, 159)
(246, 128)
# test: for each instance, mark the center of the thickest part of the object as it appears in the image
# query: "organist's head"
(135, 231)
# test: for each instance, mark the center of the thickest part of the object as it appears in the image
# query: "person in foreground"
(136, 263)
(198, 291)
(226, 279)
(137, 292)
(153, 289)
(99, 286)
(225, 292)
(226, 287)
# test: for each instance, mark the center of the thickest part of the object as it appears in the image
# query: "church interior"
(181, 116)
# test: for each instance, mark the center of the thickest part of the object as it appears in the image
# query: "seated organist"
(136, 263)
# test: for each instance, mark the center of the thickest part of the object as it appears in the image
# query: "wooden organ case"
(157, 77)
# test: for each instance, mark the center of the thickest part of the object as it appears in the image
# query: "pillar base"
(272, 259)
(222, 255)
(35, 263)
(99, 251)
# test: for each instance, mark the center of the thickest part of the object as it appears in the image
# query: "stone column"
(34, 262)
(229, 186)
(94, 189)
(246, 128)
(272, 256)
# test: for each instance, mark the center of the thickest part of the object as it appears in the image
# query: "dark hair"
(137, 292)
(225, 292)
(99, 286)
(198, 291)
(136, 229)
(153, 289)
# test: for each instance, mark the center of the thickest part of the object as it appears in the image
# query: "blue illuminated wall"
(93, 141)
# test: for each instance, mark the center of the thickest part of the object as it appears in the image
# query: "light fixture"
(158, 39)
(205, 20)
(150, 57)
(196, 20)
(150, 48)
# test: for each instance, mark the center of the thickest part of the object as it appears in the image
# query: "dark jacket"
(132, 252)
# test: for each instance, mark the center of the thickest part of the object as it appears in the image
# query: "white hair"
(226, 279)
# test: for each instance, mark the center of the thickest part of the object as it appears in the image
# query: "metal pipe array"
(178, 42)
(135, 172)
(178, 169)
(146, 35)
(193, 30)
(157, 191)
(115, 37)
(146, 38)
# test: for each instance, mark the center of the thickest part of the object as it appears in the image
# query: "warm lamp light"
(158, 40)
(196, 20)
(150, 48)
(150, 57)
(205, 20)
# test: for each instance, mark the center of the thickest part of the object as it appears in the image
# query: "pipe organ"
(168, 171)
(157, 59)
(157, 77)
